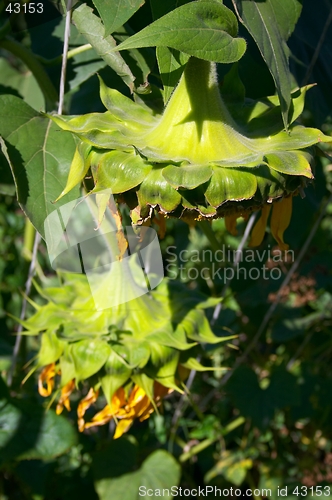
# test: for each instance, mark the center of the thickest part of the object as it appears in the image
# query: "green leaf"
(193, 364)
(115, 13)
(198, 328)
(270, 23)
(175, 339)
(298, 138)
(89, 356)
(290, 162)
(155, 190)
(67, 366)
(28, 432)
(163, 364)
(123, 108)
(270, 183)
(93, 30)
(78, 168)
(230, 184)
(188, 177)
(40, 158)
(117, 374)
(23, 82)
(51, 348)
(202, 29)
(158, 472)
(171, 64)
(25, 55)
(119, 171)
(233, 466)
(140, 61)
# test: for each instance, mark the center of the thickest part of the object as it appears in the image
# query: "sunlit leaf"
(202, 29)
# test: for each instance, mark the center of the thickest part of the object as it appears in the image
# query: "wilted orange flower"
(84, 404)
(280, 219)
(125, 411)
(46, 377)
(64, 400)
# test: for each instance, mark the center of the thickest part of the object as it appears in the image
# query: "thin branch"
(24, 307)
(64, 57)
(235, 263)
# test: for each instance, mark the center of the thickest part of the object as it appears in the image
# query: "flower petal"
(64, 398)
(83, 405)
(258, 232)
(46, 377)
(230, 223)
(280, 219)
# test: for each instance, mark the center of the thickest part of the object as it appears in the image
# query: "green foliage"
(158, 472)
(258, 408)
(28, 432)
(191, 28)
(271, 23)
(39, 158)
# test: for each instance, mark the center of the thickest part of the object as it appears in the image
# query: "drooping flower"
(133, 354)
(205, 156)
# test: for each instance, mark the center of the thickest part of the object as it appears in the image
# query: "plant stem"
(71, 53)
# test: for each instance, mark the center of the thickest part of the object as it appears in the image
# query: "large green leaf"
(204, 29)
(28, 432)
(115, 13)
(93, 30)
(159, 471)
(270, 23)
(40, 156)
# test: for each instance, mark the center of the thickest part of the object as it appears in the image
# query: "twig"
(24, 307)
(64, 57)
(235, 263)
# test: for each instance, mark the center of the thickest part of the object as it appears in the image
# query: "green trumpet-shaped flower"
(204, 157)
